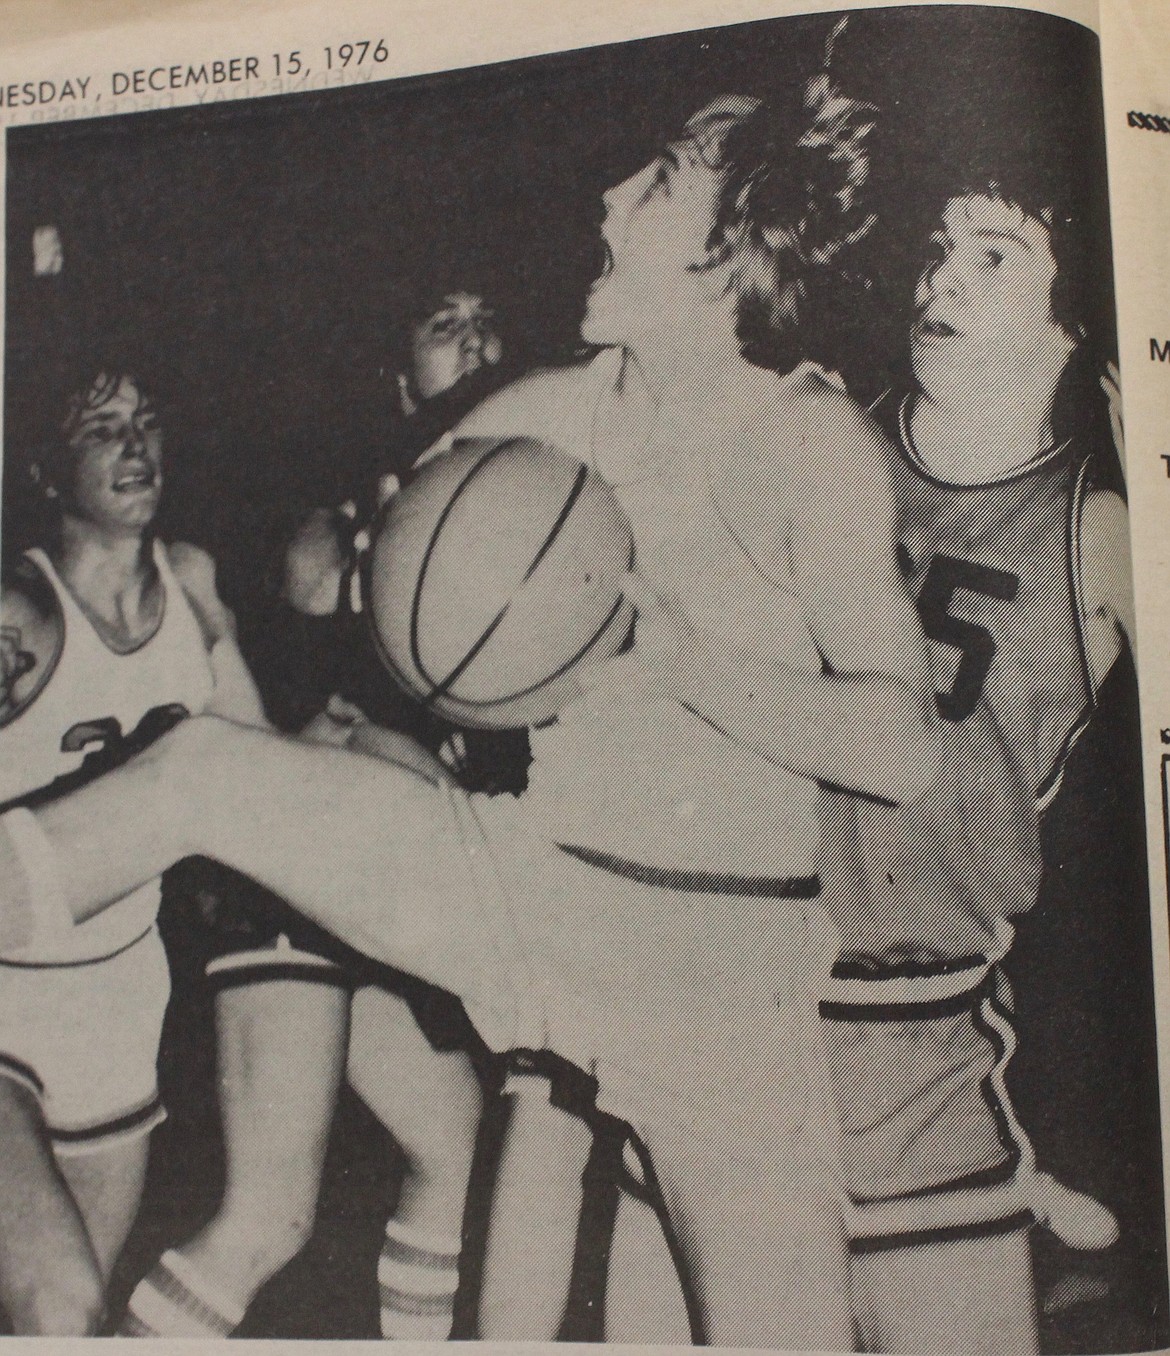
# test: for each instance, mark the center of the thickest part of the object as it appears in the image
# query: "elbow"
(914, 760)
(912, 781)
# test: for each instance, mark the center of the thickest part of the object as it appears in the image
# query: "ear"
(39, 477)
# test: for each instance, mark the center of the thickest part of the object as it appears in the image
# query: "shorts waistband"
(76, 1141)
(698, 882)
(9, 964)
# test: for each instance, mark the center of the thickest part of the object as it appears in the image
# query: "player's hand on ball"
(666, 645)
(336, 725)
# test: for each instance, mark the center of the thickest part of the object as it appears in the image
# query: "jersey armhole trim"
(1046, 792)
(1076, 581)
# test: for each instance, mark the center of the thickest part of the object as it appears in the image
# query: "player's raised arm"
(868, 721)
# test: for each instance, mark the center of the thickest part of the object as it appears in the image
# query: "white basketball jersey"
(648, 779)
(96, 702)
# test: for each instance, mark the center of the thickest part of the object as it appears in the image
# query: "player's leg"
(107, 1187)
(941, 1172)
(968, 1296)
(281, 1045)
(758, 1221)
(281, 1020)
(91, 1031)
(537, 1201)
(645, 1300)
(430, 1101)
(51, 1282)
(330, 831)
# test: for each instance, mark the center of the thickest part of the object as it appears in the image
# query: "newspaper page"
(570, 760)
(1134, 38)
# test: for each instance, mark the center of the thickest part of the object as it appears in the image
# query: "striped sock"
(176, 1300)
(417, 1277)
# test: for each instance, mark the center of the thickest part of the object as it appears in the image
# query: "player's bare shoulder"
(531, 406)
(194, 568)
(842, 441)
(810, 459)
(32, 636)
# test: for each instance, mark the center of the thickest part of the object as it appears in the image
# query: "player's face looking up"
(113, 456)
(457, 339)
(984, 304)
(656, 233)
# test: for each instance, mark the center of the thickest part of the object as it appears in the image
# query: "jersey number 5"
(975, 643)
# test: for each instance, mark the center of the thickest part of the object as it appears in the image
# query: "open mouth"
(134, 482)
(933, 328)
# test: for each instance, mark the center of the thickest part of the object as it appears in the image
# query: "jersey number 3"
(975, 643)
(106, 747)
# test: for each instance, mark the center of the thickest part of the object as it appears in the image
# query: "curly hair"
(1027, 192)
(64, 396)
(791, 206)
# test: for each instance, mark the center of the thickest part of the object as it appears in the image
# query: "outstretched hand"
(666, 643)
(336, 725)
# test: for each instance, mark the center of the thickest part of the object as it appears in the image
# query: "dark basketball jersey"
(917, 1032)
(996, 569)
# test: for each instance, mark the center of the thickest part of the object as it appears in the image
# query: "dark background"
(256, 261)
(257, 258)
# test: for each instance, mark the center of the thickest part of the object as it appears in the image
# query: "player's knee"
(66, 1300)
(430, 1100)
(290, 1237)
(177, 757)
(435, 1148)
(192, 744)
(267, 1230)
(443, 1157)
(193, 760)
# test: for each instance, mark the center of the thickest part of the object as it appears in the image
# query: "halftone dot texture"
(493, 574)
(176, 1300)
(418, 1273)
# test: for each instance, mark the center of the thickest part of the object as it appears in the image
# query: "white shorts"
(84, 1038)
(662, 991)
(690, 998)
(701, 988)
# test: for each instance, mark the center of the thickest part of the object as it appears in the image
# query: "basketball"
(492, 575)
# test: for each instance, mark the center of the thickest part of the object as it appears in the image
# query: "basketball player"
(648, 909)
(109, 639)
(446, 363)
(297, 1013)
(1016, 548)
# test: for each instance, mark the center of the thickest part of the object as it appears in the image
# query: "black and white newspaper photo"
(571, 765)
